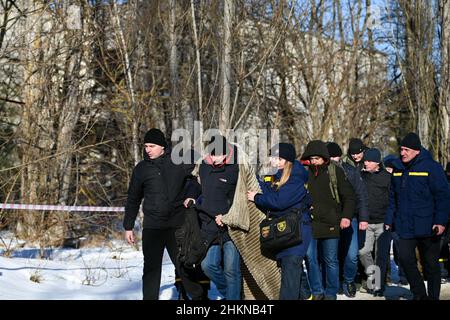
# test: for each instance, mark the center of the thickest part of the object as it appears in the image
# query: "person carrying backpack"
(352, 238)
(218, 175)
(332, 211)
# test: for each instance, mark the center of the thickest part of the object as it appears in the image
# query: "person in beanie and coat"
(218, 176)
(378, 182)
(355, 154)
(330, 215)
(418, 211)
(160, 183)
(352, 238)
(286, 193)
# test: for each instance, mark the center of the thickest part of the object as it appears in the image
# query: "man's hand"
(129, 236)
(219, 220)
(363, 225)
(345, 223)
(251, 195)
(440, 228)
(186, 202)
(387, 227)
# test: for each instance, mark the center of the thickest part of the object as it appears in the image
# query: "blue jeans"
(325, 250)
(305, 289)
(228, 278)
(348, 252)
(291, 277)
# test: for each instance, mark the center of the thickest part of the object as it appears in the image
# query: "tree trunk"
(444, 89)
(226, 66)
(173, 65)
(198, 64)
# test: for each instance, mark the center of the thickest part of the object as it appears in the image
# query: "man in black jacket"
(378, 182)
(160, 182)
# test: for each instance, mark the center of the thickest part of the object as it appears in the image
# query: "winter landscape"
(111, 272)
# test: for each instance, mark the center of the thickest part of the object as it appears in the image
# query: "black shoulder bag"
(276, 234)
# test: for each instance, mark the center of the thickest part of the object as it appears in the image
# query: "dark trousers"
(153, 243)
(195, 282)
(429, 252)
(445, 253)
(401, 270)
(383, 255)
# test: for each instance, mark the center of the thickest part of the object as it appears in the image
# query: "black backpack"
(192, 245)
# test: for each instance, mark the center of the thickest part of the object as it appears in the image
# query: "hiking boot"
(349, 289)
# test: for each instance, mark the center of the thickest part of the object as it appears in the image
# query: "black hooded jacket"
(160, 183)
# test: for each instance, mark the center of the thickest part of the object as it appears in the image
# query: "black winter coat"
(362, 201)
(377, 184)
(327, 213)
(160, 183)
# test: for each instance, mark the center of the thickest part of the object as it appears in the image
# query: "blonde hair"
(285, 176)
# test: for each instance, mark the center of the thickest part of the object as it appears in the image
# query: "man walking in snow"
(160, 183)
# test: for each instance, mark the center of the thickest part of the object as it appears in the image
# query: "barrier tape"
(39, 207)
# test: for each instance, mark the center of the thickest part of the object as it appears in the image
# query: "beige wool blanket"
(261, 276)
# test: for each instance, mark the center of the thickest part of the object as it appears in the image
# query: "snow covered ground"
(112, 272)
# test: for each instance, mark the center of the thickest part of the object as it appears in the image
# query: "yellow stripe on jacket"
(414, 174)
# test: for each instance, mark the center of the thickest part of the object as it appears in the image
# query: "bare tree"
(444, 88)
(228, 13)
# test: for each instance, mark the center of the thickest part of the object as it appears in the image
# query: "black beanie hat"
(372, 154)
(155, 136)
(411, 141)
(388, 160)
(218, 145)
(334, 149)
(355, 146)
(285, 151)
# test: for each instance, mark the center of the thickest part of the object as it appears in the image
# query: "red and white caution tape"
(46, 207)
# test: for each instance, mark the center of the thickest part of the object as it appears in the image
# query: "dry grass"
(36, 277)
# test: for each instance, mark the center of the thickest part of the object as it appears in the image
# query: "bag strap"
(333, 182)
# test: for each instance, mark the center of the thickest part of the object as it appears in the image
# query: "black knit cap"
(285, 151)
(155, 136)
(373, 155)
(411, 141)
(334, 149)
(218, 145)
(388, 160)
(355, 146)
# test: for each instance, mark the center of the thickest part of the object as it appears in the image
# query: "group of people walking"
(350, 209)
